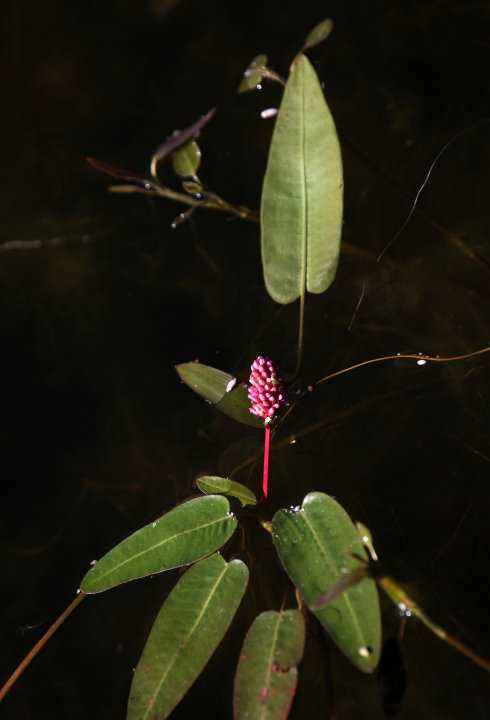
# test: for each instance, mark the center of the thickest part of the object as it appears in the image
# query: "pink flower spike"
(266, 397)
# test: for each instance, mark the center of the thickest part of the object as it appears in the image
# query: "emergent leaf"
(319, 33)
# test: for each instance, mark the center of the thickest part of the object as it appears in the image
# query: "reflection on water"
(100, 298)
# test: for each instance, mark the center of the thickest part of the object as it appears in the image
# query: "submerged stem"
(398, 595)
(403, 356)
(40, 644)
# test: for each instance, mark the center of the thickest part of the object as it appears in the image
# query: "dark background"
(99, 298)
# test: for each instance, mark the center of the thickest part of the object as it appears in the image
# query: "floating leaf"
(212, 484)
(220, 389)
(187, 533)
(266, 676)
(236, 405)
(187, 159)
(301, 209)
(208, 382)
(189, 627)
(317, 544)
(319, 33)
(254, 74)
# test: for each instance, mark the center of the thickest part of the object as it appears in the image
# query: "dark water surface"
(99, 437)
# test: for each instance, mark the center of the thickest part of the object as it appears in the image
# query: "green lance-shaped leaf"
(187, 159)
(212, 484)
(316, 544)
(220, 389)
(301, 209)
(187, 533)
(319, 33)
(189, 627)
(266, 676)
(254, 74)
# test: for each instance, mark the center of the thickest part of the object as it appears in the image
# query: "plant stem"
(398, 595)
(265, 477)
(301, 328)
(403, 356)
(40, 644)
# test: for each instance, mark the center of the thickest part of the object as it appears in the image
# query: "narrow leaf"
(220, 389)
(189, 627)
(319, 33)
(185, 534)
(254, 74)
(128, 175)
(317, 544)
(212, 484)
(187, 159)
(267, 675)
(301, 209)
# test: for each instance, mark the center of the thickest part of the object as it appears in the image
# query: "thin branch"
(40, 644)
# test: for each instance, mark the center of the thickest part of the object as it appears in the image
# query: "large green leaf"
(187, 533)
(212, 484)
(188, 629)
(220, 389)
(301, 209)
(266, 676)
(316, 544)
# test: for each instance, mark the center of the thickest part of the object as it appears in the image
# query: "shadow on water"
(100, 298)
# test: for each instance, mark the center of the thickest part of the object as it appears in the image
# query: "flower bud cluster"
(265, 390)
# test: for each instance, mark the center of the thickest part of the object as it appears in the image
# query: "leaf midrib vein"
(184, 642)
(344, 595)
(158, 545)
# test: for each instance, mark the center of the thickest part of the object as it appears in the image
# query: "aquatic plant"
(329, 559)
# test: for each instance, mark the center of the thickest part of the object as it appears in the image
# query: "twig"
(40, 644)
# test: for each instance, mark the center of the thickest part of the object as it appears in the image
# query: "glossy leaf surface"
(316, 544)
(267, 675)
(210, 484)
(187, 533)
(190, 625)
(220, 389)
(301, 208)
(187, 159)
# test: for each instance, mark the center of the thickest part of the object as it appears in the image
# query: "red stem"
(265, 478)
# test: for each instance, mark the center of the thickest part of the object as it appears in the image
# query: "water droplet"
(293, 441)
(258, 86)
(365, 651)
(421, 362)
(231, 385)
(404, 610)
(268, 113)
